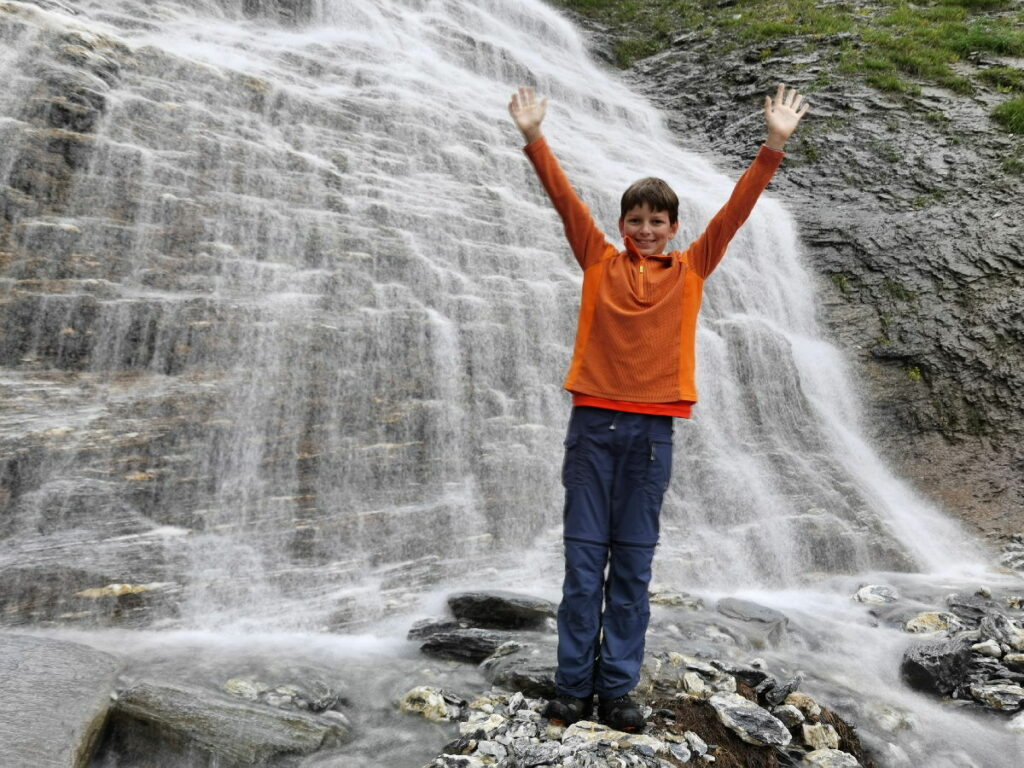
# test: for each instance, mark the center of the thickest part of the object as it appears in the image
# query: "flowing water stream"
(286, 314)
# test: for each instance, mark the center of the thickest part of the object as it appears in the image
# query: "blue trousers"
(617, 467)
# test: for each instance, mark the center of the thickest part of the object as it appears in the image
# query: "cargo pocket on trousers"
(572, 470)
(659, 469)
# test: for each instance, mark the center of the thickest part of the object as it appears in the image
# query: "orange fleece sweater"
(637, 324)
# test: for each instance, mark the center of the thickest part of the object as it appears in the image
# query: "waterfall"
(284, 316)
(288, 283)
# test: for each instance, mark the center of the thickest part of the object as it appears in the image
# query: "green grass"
(1013, 166)
(898, 290)
(841, 281)
(1005, 79)
(1010, 115)
(896, 46)
(925, 200)
(980, 5)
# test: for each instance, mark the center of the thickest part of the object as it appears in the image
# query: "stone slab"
(54, 701)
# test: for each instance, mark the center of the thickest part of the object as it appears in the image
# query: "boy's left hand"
(782, 115)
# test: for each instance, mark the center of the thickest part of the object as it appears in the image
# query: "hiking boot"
(566, 710)
(622, 714)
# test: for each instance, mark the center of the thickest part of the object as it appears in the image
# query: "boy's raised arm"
(586, 240)
(782, 114)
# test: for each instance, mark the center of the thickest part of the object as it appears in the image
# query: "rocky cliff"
(908, 203)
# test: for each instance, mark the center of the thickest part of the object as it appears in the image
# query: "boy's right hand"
(527, 112)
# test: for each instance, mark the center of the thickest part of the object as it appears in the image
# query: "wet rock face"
(55, 700)
(915, 231)
(69, 101)
(285, 11)
(233, 731)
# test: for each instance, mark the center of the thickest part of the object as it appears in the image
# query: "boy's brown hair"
(656, 193)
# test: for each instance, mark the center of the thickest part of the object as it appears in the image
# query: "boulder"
(820, 736)
(748, 610)
(530, 669)
(680, 752)
(933, 621)
(770, 624)
(694, 684)
(1002, 696)
(55, 701)
(481, 725)
(807, 706)
(970, 608)
(232, 730)
(424, 628)
(1014, 661)
(501, 610)
(788, 714)
(675, 599)
(749, 721)
(457, 761)
(995, 626)
(311, 694)
(936, 667)
(472, 644)
(586, 731)
(775, 692)
(876, 594)
(745, 673)
(544, 753)
(695, 743)
(891, 719)
(988, 648)
(829, 758)
(433, 703)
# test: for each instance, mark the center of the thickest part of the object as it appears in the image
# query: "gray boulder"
(472, 645)
(234, 731)
(501, 610)
(971, 608)
(530, 669)
(749, 721)
(829, 758)
(876, 594)
(424, 628)
(774, 692)
(768, 625)
(1002, 696)
(745, 673)
(56, 698)
(936, 667)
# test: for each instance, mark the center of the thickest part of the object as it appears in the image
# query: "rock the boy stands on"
(632, 372)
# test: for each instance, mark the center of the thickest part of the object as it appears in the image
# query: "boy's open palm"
(527, 112)
(783, 112)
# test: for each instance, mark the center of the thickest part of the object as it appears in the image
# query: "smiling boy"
(632, 371)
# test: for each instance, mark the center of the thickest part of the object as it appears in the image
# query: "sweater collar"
(631, 249)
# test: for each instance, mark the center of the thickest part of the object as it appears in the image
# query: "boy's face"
(650, 230)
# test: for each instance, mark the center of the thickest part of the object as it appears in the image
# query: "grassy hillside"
(892, 45)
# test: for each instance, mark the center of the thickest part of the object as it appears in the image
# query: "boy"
(632, 371)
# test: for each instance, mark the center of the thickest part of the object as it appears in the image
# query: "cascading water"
(285, 316)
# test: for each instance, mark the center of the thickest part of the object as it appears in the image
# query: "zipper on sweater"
(642, 278)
